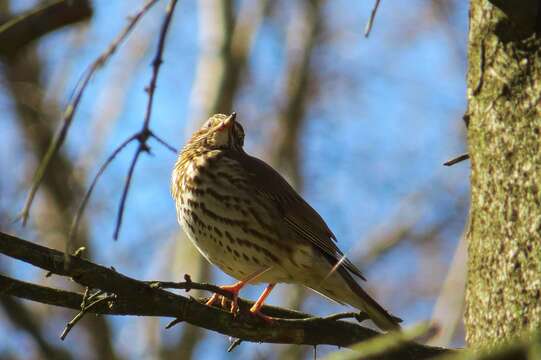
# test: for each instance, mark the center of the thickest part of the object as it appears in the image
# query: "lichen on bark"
(504, 238)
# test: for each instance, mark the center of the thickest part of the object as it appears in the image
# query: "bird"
(246, 219)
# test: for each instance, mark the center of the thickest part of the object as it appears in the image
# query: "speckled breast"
(223, 219)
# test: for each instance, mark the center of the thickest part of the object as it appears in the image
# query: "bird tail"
(355, 296)
(365, 303)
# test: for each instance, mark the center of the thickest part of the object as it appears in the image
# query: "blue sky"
(387, 115)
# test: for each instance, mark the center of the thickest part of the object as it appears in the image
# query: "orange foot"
(256, 308)
(234, 290)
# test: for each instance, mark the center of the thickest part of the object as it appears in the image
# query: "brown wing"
(296, 212)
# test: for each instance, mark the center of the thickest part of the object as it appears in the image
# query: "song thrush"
(247, 220)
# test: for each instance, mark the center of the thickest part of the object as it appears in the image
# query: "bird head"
(220, 132)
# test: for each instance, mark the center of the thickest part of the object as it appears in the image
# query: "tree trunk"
(504, 242)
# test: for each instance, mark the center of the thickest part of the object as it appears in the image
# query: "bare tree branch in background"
(301, 39)
(212, 82)
(23, 73)
(448, 311)
(145, 133)
(370, 23)
(442, 11)
(22, 317)
(109, 104)
(20, 30)
(225, 47)
(400, 227)
(245, 28)
(415, 233)
(403, 229)
(111, 100)
(220, 74)
(302, 35)
(210, 85)
(69, 113)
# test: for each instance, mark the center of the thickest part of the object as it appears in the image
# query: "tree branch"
(140, 298)
(31, 25)
(370, 23)
(70, 110)
(145, 132)
(22, 317)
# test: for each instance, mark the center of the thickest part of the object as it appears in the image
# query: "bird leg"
(234, 290)
(256, 308)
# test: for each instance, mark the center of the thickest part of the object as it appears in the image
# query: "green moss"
(504, 239)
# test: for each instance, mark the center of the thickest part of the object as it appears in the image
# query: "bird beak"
(227, 123)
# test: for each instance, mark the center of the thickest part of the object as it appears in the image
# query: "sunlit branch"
(133, 297)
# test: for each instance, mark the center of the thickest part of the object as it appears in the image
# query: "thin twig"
(173, 323)
(93, 296)
(164, 143)
(457, 159)
(104, 166)
(142, 147)
(81, 313)
(234, 344)
(370, 22)
(85, 298)
(80, 210)
(344, 315)
(189, 285)
(145, 132)
(70, 110)
(77, 253)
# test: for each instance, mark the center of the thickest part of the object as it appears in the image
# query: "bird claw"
(234, 291)
(223, 299)
(212, 299)
(234, 306)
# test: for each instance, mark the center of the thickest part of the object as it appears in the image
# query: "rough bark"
(504, 242)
